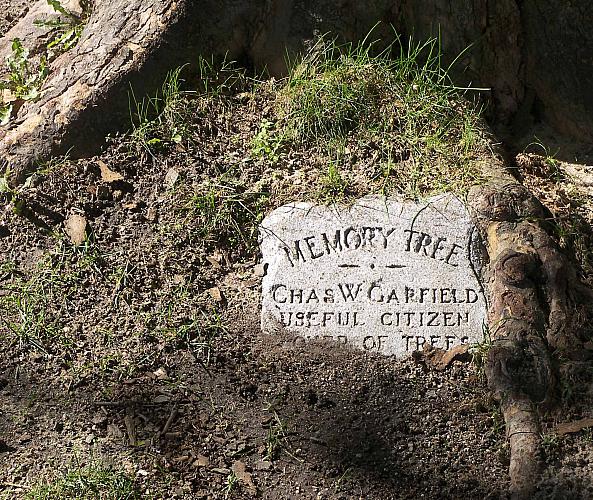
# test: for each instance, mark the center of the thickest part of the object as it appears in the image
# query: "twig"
(13, 485)
(125, 404)
(169, 420)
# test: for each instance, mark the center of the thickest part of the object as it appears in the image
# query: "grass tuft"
(161, 120)
(424, 134)
(224, 212)
(94, 481)
(33, 306)
(347, 121)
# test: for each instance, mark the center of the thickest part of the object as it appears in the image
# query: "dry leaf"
(171, 177)
(75, 228)
(245, 477)
(108, 175)
(572, 427)
(131, 428)
(216, 294)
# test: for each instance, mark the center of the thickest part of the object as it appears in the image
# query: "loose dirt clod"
(75, 227)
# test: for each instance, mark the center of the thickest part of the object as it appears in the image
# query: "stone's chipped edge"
(286, 210)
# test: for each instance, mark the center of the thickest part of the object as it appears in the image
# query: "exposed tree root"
(119, 38)
(537, 307)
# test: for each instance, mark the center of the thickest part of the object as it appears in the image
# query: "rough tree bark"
(518, 49)
(119, 37)
(536, 305)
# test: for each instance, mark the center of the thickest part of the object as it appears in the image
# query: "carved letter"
(357, 240)
(275, 289)
(335, 245)
(348, 292)
(453, 252)
(311, 246)
(409, 242)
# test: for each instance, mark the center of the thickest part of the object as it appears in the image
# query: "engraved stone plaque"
(381, 275)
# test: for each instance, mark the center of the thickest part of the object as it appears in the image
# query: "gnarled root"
(536, 306)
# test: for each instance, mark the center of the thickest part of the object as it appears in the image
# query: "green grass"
(225, 212)
(23, 82)
(347, 121)
(97, 481)
(277, 438)
(334, 185)
(33, 302)
(160, 120)
(401, 101)
(195, 334)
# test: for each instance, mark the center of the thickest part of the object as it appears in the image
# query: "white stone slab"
(382, 275)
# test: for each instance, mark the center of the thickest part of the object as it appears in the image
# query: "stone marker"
(382, 275)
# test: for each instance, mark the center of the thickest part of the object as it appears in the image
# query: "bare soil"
(118, 379)
(144, 351)
(12, 11)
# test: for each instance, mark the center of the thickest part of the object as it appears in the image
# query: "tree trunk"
(119, 37)
(35, 36)
(531, 74)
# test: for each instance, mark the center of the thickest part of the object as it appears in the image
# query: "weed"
(216, 78)
(226, 213)
(23, 83)
(343, 479)
(33, 306)
(550, 443)
(551, 166)
(276, 439)
(333, 185)
(574, 380)
(497, 419)
(266, 143)
(26, 303)
(232, 482)
(160, 120)
(197, 335)
(479, 351)
(67, 28)
(93, 481)
(123, 279)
